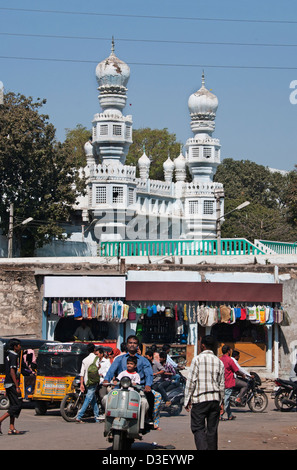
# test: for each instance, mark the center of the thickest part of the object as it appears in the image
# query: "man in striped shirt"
(204, 395)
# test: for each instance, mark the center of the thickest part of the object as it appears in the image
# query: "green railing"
(281, 248)
(229, 247)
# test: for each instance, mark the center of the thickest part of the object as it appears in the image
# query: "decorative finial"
(203, 79)
(112, 45)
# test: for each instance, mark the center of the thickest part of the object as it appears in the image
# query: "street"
(271, 430)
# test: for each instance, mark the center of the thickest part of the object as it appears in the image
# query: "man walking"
(11, 385)
(90, 398)
(204, 395)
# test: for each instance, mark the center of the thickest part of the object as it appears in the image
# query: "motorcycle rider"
(144, 369)
(158, 372)
(240, 383)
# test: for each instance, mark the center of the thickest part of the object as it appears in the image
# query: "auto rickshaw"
(26, 372)
(58, 364)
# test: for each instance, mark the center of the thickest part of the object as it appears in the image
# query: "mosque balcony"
(156, 187)
(125, 173)
(201, 189)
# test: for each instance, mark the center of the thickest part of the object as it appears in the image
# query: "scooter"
(125, 410)
(285, 398)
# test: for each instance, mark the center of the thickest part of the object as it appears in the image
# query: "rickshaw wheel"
(40, 408)
(4, 403)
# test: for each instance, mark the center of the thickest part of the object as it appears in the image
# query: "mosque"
(124, 205)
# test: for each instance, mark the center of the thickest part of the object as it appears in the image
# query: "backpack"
(93, 375)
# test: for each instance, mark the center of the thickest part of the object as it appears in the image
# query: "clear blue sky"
(255, 119)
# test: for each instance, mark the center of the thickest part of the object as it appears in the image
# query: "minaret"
(203, 151)
(112, 132)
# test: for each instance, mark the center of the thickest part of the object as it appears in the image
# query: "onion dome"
(203, 103)
(112, 71)
(168, 165)
(180, 162)
(144, 161)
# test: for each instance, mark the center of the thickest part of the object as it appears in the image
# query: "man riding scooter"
(144, 369)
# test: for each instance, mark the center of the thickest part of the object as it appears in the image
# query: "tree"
(35, 173)
(158, 144)
(267, 215)
(74, 144)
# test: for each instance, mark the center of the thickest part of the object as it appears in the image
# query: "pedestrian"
(204, 395)
(230, 369)
(89, 385)
(104, 365)
(11, 384)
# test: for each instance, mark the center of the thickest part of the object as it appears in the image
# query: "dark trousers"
(15, 403)
(204, 424)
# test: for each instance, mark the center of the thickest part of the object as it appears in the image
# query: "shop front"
(245, 315)
(84, 308)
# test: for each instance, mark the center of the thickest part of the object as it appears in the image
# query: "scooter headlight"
(125, 382)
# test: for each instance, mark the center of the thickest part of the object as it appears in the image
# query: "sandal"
(231, 418)
(14, 432)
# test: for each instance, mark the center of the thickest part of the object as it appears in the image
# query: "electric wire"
(159, 17)
(154, 64)
(158, 41)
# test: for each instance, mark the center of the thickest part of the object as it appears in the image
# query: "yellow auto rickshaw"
(58, 364)
(26, 372)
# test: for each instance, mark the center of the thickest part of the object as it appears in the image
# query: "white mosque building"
(122, 206)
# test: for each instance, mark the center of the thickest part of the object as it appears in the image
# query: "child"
(131, 371)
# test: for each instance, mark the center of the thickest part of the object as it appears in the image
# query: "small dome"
(168, 165)
(88, 148)
(144, 161)
(112, 71)
(203, 101)
(180, 162)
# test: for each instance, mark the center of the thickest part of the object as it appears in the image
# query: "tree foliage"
(158, 144)
(35, 172)
(267, 217)
(74, 145)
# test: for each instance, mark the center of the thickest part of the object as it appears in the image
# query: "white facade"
(128, 207)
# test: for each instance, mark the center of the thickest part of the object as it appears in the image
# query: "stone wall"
(20, 304)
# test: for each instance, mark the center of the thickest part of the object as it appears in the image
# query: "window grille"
(117, 195)
(208, 207)
(207, 152)
(104, 129)
(117, 130)
(100, 194)
(193, 207)
(131, 196)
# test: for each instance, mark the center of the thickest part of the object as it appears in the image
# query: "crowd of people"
(209, 384)
(155, 372)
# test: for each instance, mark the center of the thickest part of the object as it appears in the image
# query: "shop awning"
(203, 291)
(84, 286)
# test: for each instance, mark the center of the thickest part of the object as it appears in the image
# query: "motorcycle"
(175, 395)
(125, 410)
(73, 401)
(285, 398)
(255, 398)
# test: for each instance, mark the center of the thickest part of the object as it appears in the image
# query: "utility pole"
(10, 230)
